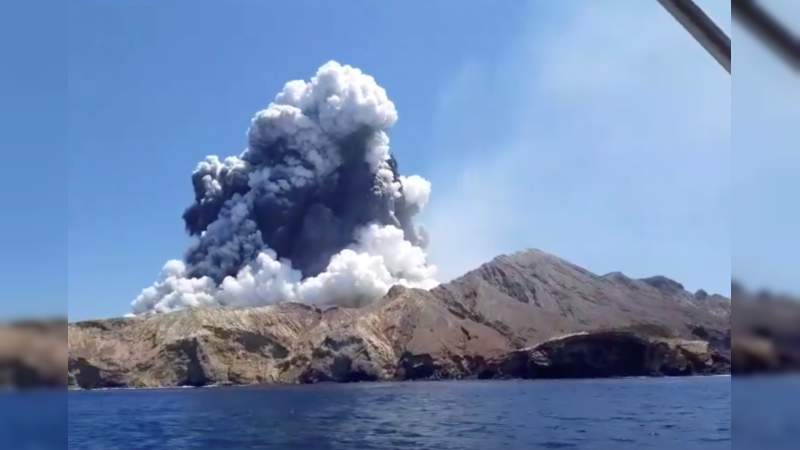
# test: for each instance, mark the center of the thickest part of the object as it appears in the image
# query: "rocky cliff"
(516, 316)
(766, 330)
(33, 354)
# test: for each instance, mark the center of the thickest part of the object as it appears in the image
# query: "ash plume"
(313, 210)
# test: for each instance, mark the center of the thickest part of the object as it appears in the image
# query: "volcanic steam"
(313, 210)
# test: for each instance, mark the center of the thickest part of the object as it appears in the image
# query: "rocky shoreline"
(581, 355)
(33, 354)
(525, 364)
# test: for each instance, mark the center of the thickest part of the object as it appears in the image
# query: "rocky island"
(526, 315)
(302, 243)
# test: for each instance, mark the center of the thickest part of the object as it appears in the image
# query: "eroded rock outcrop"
(607, 354)
(767, 332)
(33, 354)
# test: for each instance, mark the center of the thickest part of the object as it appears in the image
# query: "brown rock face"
(607, 354)
(766, 332)
(33, 354)
(467, 328)
(533, 296)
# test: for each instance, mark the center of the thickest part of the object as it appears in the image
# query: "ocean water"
(635, 413)
(33, 420)
(766, 412)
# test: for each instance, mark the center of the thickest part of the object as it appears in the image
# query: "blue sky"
(33, 232)
(601, 134)
(766, 162)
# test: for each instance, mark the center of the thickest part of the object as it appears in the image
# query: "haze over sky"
(600, 134)
(766, 163)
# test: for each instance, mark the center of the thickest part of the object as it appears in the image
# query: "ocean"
(632, 413)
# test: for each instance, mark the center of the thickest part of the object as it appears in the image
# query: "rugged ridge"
(529, 314)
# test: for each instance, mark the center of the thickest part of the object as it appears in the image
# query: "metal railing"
(749, 13)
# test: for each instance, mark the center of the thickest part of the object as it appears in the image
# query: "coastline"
(380, 382)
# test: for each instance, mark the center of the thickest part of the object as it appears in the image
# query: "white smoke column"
(380, 259)
(313, 210)
(174, 290)
(416, 190)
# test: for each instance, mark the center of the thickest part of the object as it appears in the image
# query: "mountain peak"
(616, 276)
(663, 283)
(526, 255)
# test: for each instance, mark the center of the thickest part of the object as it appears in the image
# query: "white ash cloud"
(313, 210)
(416, 190)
